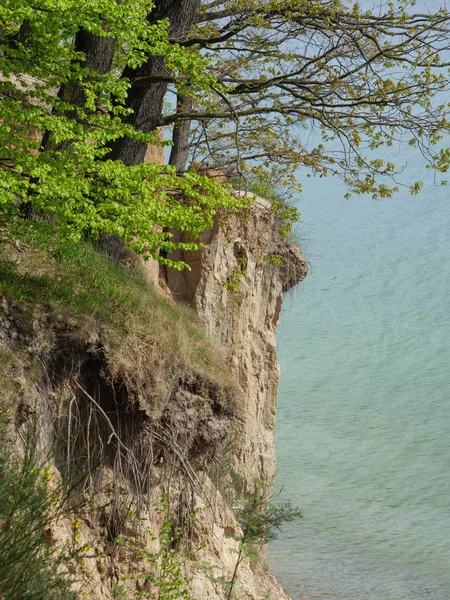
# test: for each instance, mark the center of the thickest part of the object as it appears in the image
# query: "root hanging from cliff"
(102, 429)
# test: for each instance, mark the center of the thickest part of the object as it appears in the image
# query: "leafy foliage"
(259, 77)
(260, 518)
(319, 87)
(233, 283)
(31, 564)
(164, 578)
(71, 176)
(286, 215)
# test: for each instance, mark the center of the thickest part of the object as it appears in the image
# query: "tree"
(242, 84)
(280, 68)
(360, 79)
(61, 77)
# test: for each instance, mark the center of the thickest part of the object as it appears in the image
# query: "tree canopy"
(240, 84)
(63, 100)
(358, 79)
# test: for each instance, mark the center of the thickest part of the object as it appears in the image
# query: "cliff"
(128, 414)
(241, 249)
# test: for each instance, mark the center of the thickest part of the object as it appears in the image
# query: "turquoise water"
(363, 423)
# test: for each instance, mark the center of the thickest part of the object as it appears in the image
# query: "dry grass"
(76, 279)
(114, 359)
(104, 365)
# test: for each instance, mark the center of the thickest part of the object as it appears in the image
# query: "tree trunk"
(99, 54)
(180, 138)
(147, 102)
(147, 105)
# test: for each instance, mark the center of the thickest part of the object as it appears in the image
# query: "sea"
(363, 421)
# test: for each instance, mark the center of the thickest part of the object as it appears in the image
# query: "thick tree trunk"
(147, 105)
(147, 102)
(99, 54)
(180, 137)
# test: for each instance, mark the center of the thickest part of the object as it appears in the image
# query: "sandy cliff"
(241, 249)
(136, 426)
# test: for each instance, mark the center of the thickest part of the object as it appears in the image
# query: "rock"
(167, 438)
(244, 322)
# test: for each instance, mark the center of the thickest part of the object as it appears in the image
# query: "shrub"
(260, 520)
(163, 578)
(32, 566)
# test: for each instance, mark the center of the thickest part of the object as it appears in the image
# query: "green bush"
(32, 565)
(233, 283)
(260, 520)
(286, 215)
(163, 578)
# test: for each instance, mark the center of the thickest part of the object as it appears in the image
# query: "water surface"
(363, 418)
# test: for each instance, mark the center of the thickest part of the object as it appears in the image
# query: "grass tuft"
(36, 268)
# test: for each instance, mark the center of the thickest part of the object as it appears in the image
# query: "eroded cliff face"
(244, 252)
(138, 427)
